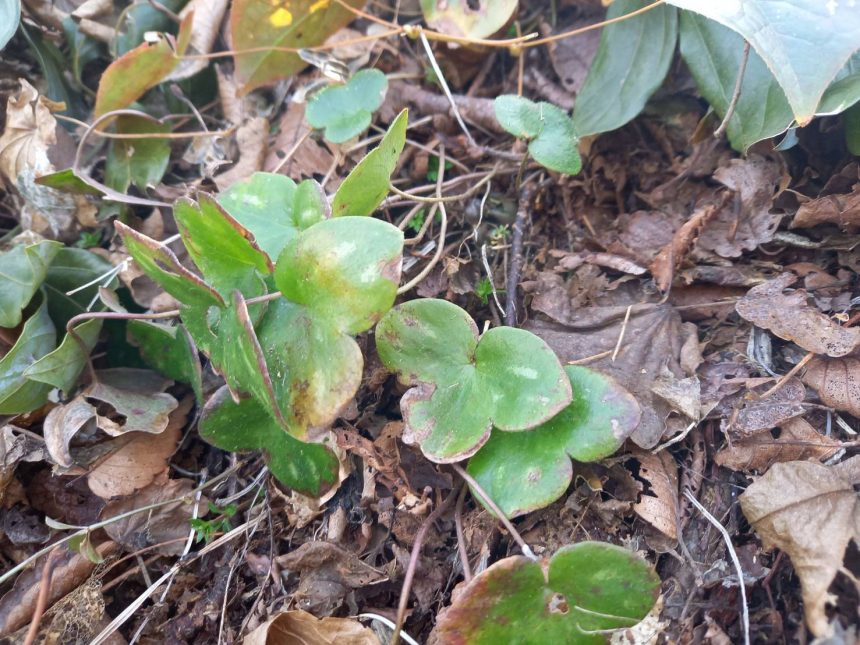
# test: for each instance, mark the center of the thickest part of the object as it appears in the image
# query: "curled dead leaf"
(837, 381)
(843, 209)
(797, 440)
(301, 628)
(791, 318)
(658, 503)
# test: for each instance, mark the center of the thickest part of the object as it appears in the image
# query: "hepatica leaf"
(464, 385)
(525, 471)
(583, 589)
(548, 129)
(468, 19)
(344, 111)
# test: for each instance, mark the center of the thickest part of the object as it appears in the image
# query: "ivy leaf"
(550, 132)
(463, 386)
(310, 469)
(525, 471)
(169, 350)
(632, 60)
(467, 18)
(38, 337)
(23, 269)
(367, 185)
(141, 162)
(260, 25)
(805, 44)
(584, 589)
(344, 111)
(62, 367)
(274, 208)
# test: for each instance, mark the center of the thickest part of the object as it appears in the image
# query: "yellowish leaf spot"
(281, 18)
(319, 4)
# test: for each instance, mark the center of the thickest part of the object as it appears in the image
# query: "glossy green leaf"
(552, 137)
(63, 366)
(71, 270)
(141, 162)
(344, 111)
(805, 44)
(468, 18)
(68, 182)
(632, 60)
(713, 54)
(225, 251)
(367, 185)
(141, 17)
(310, 469)
(256, 24)
(463, 386)
(344, 270)
(160, 264)
(38, 337)
(583, 590)
(525, 471)
(844, 91)
(274, 208)
(169, 350)
(10, 15)
(23, 269)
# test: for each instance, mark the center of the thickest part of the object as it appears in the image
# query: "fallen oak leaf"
(791, 318)
(812, 512)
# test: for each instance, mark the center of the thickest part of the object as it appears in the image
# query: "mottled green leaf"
(583, 590)
(367, 185)
(38, 337)
(344, 111)
(468, 18)
(169, 350)
(464, 386)
(62, 367)
(525, 471)
(310, 469)
(274, 209)
(632, 60)
(22, 270)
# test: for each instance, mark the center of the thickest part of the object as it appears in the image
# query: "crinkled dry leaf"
(837, 381)
(301, 628)
(671, 255)
(763, 414)
(843, 210)
(797, 441)
(658, 503)
(811, 512)
(62, 424)
(748, 222)
(208, 15)
(791, 318)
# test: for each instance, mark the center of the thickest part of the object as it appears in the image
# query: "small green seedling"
(484, 289)
(583, 591)
(548, 129)
(207, 529)
(463, 385)
(344, 111)
(525, 471)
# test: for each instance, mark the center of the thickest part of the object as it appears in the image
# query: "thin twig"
(787, 376)
(745, 615)
(736, 93)
(517, 257)
(441, 78)
(597, 25)
(44, 592)
(461, 538)
(621, 333)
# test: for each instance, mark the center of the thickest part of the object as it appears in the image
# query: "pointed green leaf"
(583, 590)
(141, 162)
(68, 182)
(310, 469)
(367, 185)
(19, 394)
(525, 471)
(632, 60)
(552, 137)
(225, 251)
(344, 111)
(23, 269)
(62, 367)
(169, 350)
(344, 270)
(804, 44)
(463, 385)
(274, 209)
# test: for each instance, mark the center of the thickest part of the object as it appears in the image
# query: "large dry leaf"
(797, 441)
(758, 414)
(301, 628)
(812, 512)
(656, 349)
(788, 316)
(843, 210)
(658, 503)
(743, 225)
(837, 381)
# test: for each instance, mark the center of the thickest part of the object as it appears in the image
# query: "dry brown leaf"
(791, 318)
(797, 441)
(309, 158)
(62, 424)
(748, 222)
(252, 138)
(671, 255)
(843, 210)
(208, 15)
(140, 458)
(658, 504)
(763, 414)
(812, 512)
(301, 628)
(837, 381)
(166, 525)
